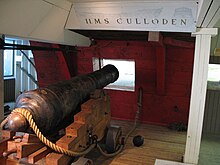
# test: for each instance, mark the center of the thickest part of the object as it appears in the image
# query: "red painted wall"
(170, 104)
(173, 105)
(51, 66)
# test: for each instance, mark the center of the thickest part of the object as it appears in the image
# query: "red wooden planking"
(158, 109)
(177, 83)
(178, 77)
(178, 43)
(62, 62)
(180, 55)
(178, 90)
(51, 65)
(145, 64)
(179, 66)
(160, 70)
(145, 76)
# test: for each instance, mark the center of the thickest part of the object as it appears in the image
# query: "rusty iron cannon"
(53, 107)
(67, 105)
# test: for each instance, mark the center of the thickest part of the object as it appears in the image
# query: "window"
(214, 77)
(9, 61)
(126, 68)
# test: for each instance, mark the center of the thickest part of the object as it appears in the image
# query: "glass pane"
(214, 76)
(8, 61)
(126, 68)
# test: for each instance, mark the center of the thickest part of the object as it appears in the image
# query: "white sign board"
(136, 16)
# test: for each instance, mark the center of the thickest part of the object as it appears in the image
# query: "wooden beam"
(3, 148)
(94, 115)
(7, 134)
(160, 70)
(39, 154)
(156, 38)
(198, 94)
(30, 138)
(24, 149)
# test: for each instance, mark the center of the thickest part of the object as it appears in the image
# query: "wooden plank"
(3, 148)
(3, 144)
(161, 69)
(7, 133)
(11, 145)
(83, 117)
(57, 159)
(25, 149)
(73, 143)
(39, 154)
(76, 129)
(30, 138)
(94, 114)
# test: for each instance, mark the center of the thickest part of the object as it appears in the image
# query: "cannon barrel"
(53, 107)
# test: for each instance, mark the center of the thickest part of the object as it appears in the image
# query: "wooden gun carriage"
(78, 107)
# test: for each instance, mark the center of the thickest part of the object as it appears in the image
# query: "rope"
(36, 130)
(3, 123)
(55, 147)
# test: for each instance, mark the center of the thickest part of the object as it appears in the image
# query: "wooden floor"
(159, 143)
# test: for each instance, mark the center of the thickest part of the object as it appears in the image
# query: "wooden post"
(1, 86)
(156, 39)
(198, 93)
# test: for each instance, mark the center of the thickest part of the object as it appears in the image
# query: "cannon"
(69, 106)
(52, 107)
